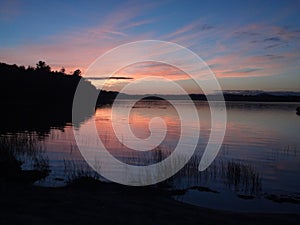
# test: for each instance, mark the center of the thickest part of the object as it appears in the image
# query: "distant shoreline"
(264, 97)
(40, 86)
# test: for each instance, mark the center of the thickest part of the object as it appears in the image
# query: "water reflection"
(258, 150)
(259, 157)
(40, 120)
(139, 120)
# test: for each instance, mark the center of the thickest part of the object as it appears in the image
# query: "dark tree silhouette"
(46, 98)
(30, 69)
(77, 73)
(62, 70)
(41, 66)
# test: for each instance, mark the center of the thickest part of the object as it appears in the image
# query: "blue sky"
(248, 45)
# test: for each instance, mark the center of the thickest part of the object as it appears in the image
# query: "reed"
(22, 158)
(77, 170)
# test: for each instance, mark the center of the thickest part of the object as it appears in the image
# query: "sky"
(248, 45)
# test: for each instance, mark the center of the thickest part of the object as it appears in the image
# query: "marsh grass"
(22, 158)
(240, 177)
(237, 176)
(78, 170)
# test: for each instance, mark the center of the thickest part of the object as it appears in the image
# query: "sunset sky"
(253, 45)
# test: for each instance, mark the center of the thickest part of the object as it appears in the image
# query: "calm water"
(257, 167)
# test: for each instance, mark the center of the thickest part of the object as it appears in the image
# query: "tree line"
(38, 85)
(41, 67)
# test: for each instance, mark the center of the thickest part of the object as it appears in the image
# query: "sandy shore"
(99, 203)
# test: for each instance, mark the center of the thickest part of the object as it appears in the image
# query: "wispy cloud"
(109, 78)
(188, 35)
(205, 27)
(231, 50)
(272, 39)
(270, 56)
(78, 48)
(260, 50)
(138, 23)
(242, 71)
(154, 69)
(272, 46)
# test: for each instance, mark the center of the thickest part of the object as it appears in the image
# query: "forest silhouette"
(37, 98)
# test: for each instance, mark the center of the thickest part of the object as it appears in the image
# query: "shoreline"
(93, 202)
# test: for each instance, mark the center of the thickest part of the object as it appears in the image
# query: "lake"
(256, 169)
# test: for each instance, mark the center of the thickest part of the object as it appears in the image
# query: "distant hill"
(261, 97)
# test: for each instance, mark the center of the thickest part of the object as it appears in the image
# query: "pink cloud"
(235, 51)
(79, 48)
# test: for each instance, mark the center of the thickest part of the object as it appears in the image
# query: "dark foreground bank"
(100, 203)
